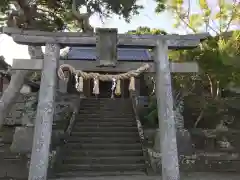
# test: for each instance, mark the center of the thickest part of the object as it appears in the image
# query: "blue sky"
(147, 17)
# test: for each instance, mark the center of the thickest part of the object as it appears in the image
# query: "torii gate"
(106, 41)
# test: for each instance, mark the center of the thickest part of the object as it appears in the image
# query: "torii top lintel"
(31, 37)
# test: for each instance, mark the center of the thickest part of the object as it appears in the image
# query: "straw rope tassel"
(80, 84)
(132, 84)
(77, 82)
(118, 88)
(96, 86)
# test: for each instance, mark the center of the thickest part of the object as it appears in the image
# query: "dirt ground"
(191, 176)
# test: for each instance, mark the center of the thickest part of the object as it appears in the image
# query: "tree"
(219, 19)
(146, 30)
(52, 15)
(218, 57)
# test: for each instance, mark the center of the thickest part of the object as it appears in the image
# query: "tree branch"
(213, 29)
(189, 8)
(199, 118)
(194, 30)
(232, 15)
(82, 18)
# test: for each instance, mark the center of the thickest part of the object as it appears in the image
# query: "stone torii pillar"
(168, 140)
(45, 112)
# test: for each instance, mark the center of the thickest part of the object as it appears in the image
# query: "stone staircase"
(104, 141)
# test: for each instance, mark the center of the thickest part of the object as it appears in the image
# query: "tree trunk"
(17, 80)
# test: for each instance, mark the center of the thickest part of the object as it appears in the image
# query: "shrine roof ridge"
(123, 54)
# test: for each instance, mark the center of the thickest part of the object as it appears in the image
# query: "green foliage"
(226, 15)
(229, 49)
(217, 58)
(150, 116)
(161, 5)
(216, 61)
(146, 30)
(57, 14)
(34, 76)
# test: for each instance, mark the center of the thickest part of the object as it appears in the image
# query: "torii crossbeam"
(106, 41)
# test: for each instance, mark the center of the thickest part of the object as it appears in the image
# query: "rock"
(155, 161)
(22, 140)
(157, 141)
(27, 121)
(6, 135)
(149, 134)
(184, 142)
(13, 118)
(57, 135)
(14, 168)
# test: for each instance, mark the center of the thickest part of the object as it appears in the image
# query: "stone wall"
(23, 111)
(17, 133)
(205, 151)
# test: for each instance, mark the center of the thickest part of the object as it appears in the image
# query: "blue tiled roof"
(89, 53)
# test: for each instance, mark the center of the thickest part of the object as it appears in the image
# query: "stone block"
(57, 135)
(184, 142)
(157, 141)
(149, 136)
(22, 140)
(155, 161)
(6, 134)
(18, 106)
(27, 121)
(14, 117)
(14, 168)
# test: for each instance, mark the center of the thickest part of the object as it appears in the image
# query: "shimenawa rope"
(116, 79)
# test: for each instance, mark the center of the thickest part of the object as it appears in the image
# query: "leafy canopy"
(146, 30)
(57, 14)
(217, 19)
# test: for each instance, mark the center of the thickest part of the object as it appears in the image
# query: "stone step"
(104, 160)
(126, 140)
(104, 114)
(103, 167)
(105, 119)
(105, 100)
(106, 105)
(103, 111)
(105, 124)
(105, 134)
(103, 153)
(104, 129)
(97, 174)
(106, 146)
